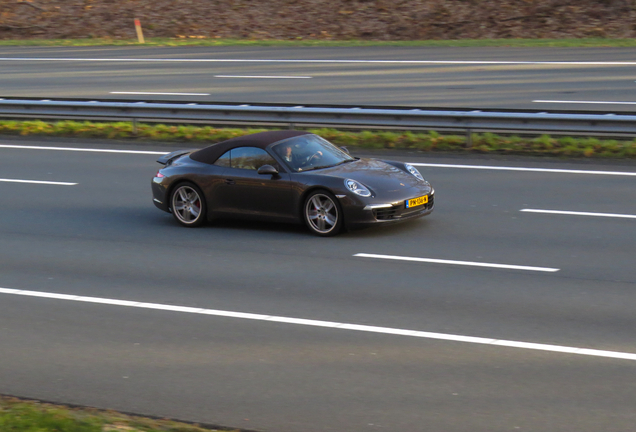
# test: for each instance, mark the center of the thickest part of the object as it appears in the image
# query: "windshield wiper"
(317, 167)
(328, 166)
(345, 161)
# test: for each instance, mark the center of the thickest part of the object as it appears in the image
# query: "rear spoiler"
(168, 158)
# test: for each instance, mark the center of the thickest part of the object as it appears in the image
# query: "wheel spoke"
(331, 220)
(312, 215)
(195, 211)
(316, 202)
(328, 206)
(183, 195)
(321, 224)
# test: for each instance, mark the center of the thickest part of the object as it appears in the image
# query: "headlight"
(357, 188)
(410, 168)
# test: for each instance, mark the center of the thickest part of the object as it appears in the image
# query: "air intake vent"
(385, 213)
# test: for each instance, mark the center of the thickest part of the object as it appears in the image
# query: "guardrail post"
(469, 138)
(134, 124)
(292, 126)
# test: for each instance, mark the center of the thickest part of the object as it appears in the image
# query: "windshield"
(309, 152)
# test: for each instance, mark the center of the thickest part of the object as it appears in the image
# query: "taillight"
(159, 175)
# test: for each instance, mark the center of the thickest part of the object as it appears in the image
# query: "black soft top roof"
(210, 154)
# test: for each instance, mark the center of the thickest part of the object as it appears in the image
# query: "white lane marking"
(327, 324)
(82, 149)
(262, 76)
(37, 182)
(160, 93)
(452, 262)
(432, 165)
(585, 102)
(504, 168)
(450, 62)
(573, 213)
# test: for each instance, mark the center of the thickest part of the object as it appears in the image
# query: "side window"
(251, 158)
(224, 160)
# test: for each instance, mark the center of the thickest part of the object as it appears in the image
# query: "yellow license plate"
(417, 201)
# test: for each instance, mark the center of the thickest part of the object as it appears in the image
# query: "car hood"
(374, 173)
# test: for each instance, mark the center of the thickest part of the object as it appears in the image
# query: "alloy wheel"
(321, 213)
(187, 205)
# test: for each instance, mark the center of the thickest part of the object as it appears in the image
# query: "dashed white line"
(160, 93)
(37, 182)
(574, 213)
(200, 60)
(263, 76)
(81, 149)
(506, 168)
(453, 262)
(328, 324)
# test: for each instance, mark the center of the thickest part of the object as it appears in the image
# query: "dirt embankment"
(319, 19)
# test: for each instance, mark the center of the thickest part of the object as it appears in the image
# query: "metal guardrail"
(345, 116)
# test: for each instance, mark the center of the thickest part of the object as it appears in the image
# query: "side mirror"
(267, 169)
(344, 149)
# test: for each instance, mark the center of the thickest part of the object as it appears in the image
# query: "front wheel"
(322, 214)
(188, 205)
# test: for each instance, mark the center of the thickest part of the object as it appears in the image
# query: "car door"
(246, 192)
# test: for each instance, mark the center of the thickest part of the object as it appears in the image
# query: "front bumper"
(385, 213)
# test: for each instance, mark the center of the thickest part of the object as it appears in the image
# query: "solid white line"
(450, 62)
(432, 165)
(585, 102)
(262, 76)
(162, 94)
(38, 182)
(82, 149)
(573, 213)
(328, 324)
(452, 262)
(504, 168)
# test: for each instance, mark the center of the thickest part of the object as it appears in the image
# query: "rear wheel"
(188, 205)
(322, 214)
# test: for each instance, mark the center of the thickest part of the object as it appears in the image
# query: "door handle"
(229, 181)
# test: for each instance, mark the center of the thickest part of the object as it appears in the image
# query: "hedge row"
(18, 415)
(422, 141)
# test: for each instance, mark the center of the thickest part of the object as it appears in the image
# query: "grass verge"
(17, 415)
(300, 42)
(544, 145)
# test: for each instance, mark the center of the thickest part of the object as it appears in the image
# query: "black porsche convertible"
(288, 176)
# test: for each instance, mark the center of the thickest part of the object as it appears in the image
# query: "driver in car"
(296, 161)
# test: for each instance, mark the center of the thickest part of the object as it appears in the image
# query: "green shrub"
(544, 142)
(24, 418)
(423, 141)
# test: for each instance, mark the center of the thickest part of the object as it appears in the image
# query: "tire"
(322, 214)
(188, 205)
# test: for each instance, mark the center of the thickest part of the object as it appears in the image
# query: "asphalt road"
(102, 237)
(588, 79)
